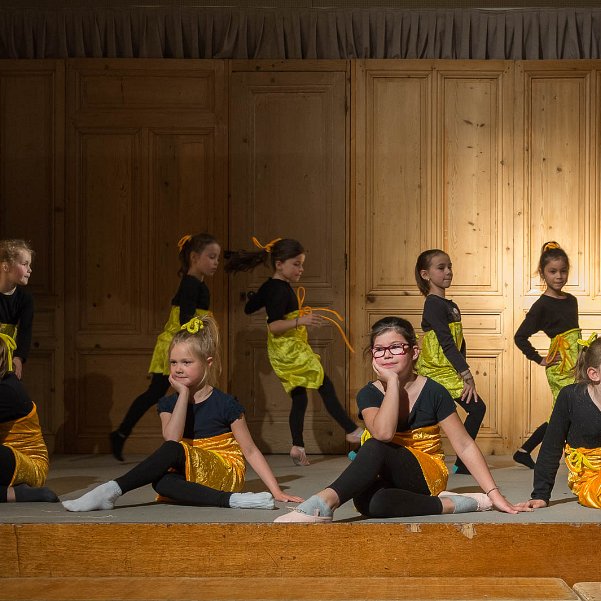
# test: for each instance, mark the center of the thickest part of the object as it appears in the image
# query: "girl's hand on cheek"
(176, 384)
(384, 375)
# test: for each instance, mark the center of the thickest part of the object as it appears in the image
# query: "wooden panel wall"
(146, 164)
(32, 112)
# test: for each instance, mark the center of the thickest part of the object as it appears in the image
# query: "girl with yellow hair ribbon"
(199, 259)
(16, 304)
(556, 314)
(206, 437)
(288, 318)
(575, 431)
(23, 453)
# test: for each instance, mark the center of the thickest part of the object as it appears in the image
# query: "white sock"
(252, 500)
(101, 497)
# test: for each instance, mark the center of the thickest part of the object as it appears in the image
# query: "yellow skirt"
(426, 446)
(433, 363)
(24, 437)
(293, 359)
(584, 477)
(565, 347)
(159, 364)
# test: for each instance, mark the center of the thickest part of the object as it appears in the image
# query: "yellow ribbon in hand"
(586, 343)
(11, 345)
(182, 241)
(194, 325)
(267, 248)
(306, 310)
(562, 346)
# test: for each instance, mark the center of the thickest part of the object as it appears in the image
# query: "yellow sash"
(433, 363)
(584, 477)
(426, 445)
(8, 331)
(24, 437)
(564, 346)
(159, 364)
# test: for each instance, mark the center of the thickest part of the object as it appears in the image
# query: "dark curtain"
(146, 32)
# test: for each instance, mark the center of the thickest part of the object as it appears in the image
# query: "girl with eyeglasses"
(443, 348)
(399, 471)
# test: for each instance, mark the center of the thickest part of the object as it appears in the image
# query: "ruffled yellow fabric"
(159, 364)
(10, 330)
(24, 437)
(426, 445)
(584, 477)
(433, 363)
(293, 359)
(565, 347)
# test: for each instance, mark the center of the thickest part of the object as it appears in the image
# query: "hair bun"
(550, 246)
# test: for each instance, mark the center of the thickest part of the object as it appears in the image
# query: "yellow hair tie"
(183, 240)
(11, 345)
(267, 248)
(194, 325)
(551, 246)
(589, 341)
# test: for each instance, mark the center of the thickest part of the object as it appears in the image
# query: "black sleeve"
(14, 401)
(254, 302)
(24, 327)
(187, 295)
(277, 304)
(435, 314)
(527, 328)
(369, 396)
(551, 450)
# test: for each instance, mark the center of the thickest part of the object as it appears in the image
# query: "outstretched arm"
(257, 461)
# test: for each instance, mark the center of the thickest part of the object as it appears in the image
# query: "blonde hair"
(589, 356)
(11, 248)
(202, 334)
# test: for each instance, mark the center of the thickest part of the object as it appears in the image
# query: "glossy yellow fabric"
(426, 445)
(433, 363)
(564, 346)
(584, 477)
(159, 364)
(293, 359)
(24, 437)
(9, 329)
(216, 462)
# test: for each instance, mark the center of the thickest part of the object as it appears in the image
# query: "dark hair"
(423, 262)
(589, 356)
(194, 244)
(205, 343)
(395, 324)
(549, 252)
(244, 260)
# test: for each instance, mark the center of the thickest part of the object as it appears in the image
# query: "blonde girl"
(206, 437)
(16, 304)
(290, 354)
(556, 314)
(443, 353)
(199, 258)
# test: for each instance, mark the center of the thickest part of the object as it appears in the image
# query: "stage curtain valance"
(245, 33)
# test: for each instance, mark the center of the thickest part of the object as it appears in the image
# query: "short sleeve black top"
(17, 309)
(438, 313)
(212, 417)
(433, 404)
(278, 298)
(549, 315)
(14, 400)
(575, 420)
(192, 294)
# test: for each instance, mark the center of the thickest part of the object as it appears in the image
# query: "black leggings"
(535, 438)
(386, 481)
(331, 403)
(155, 470)
(473, 421)
(7, 470)
(159, 384)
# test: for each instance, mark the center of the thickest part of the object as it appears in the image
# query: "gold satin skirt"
(293, 359)
(426, 446)
(433, 363)
(584, 477)
(24, 438)
(159, 364)
(565, 347)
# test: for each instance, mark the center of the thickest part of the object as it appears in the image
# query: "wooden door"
(288, 148)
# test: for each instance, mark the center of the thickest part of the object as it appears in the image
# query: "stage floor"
(71, 475)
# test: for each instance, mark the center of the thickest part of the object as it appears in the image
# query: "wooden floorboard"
(285, 589)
